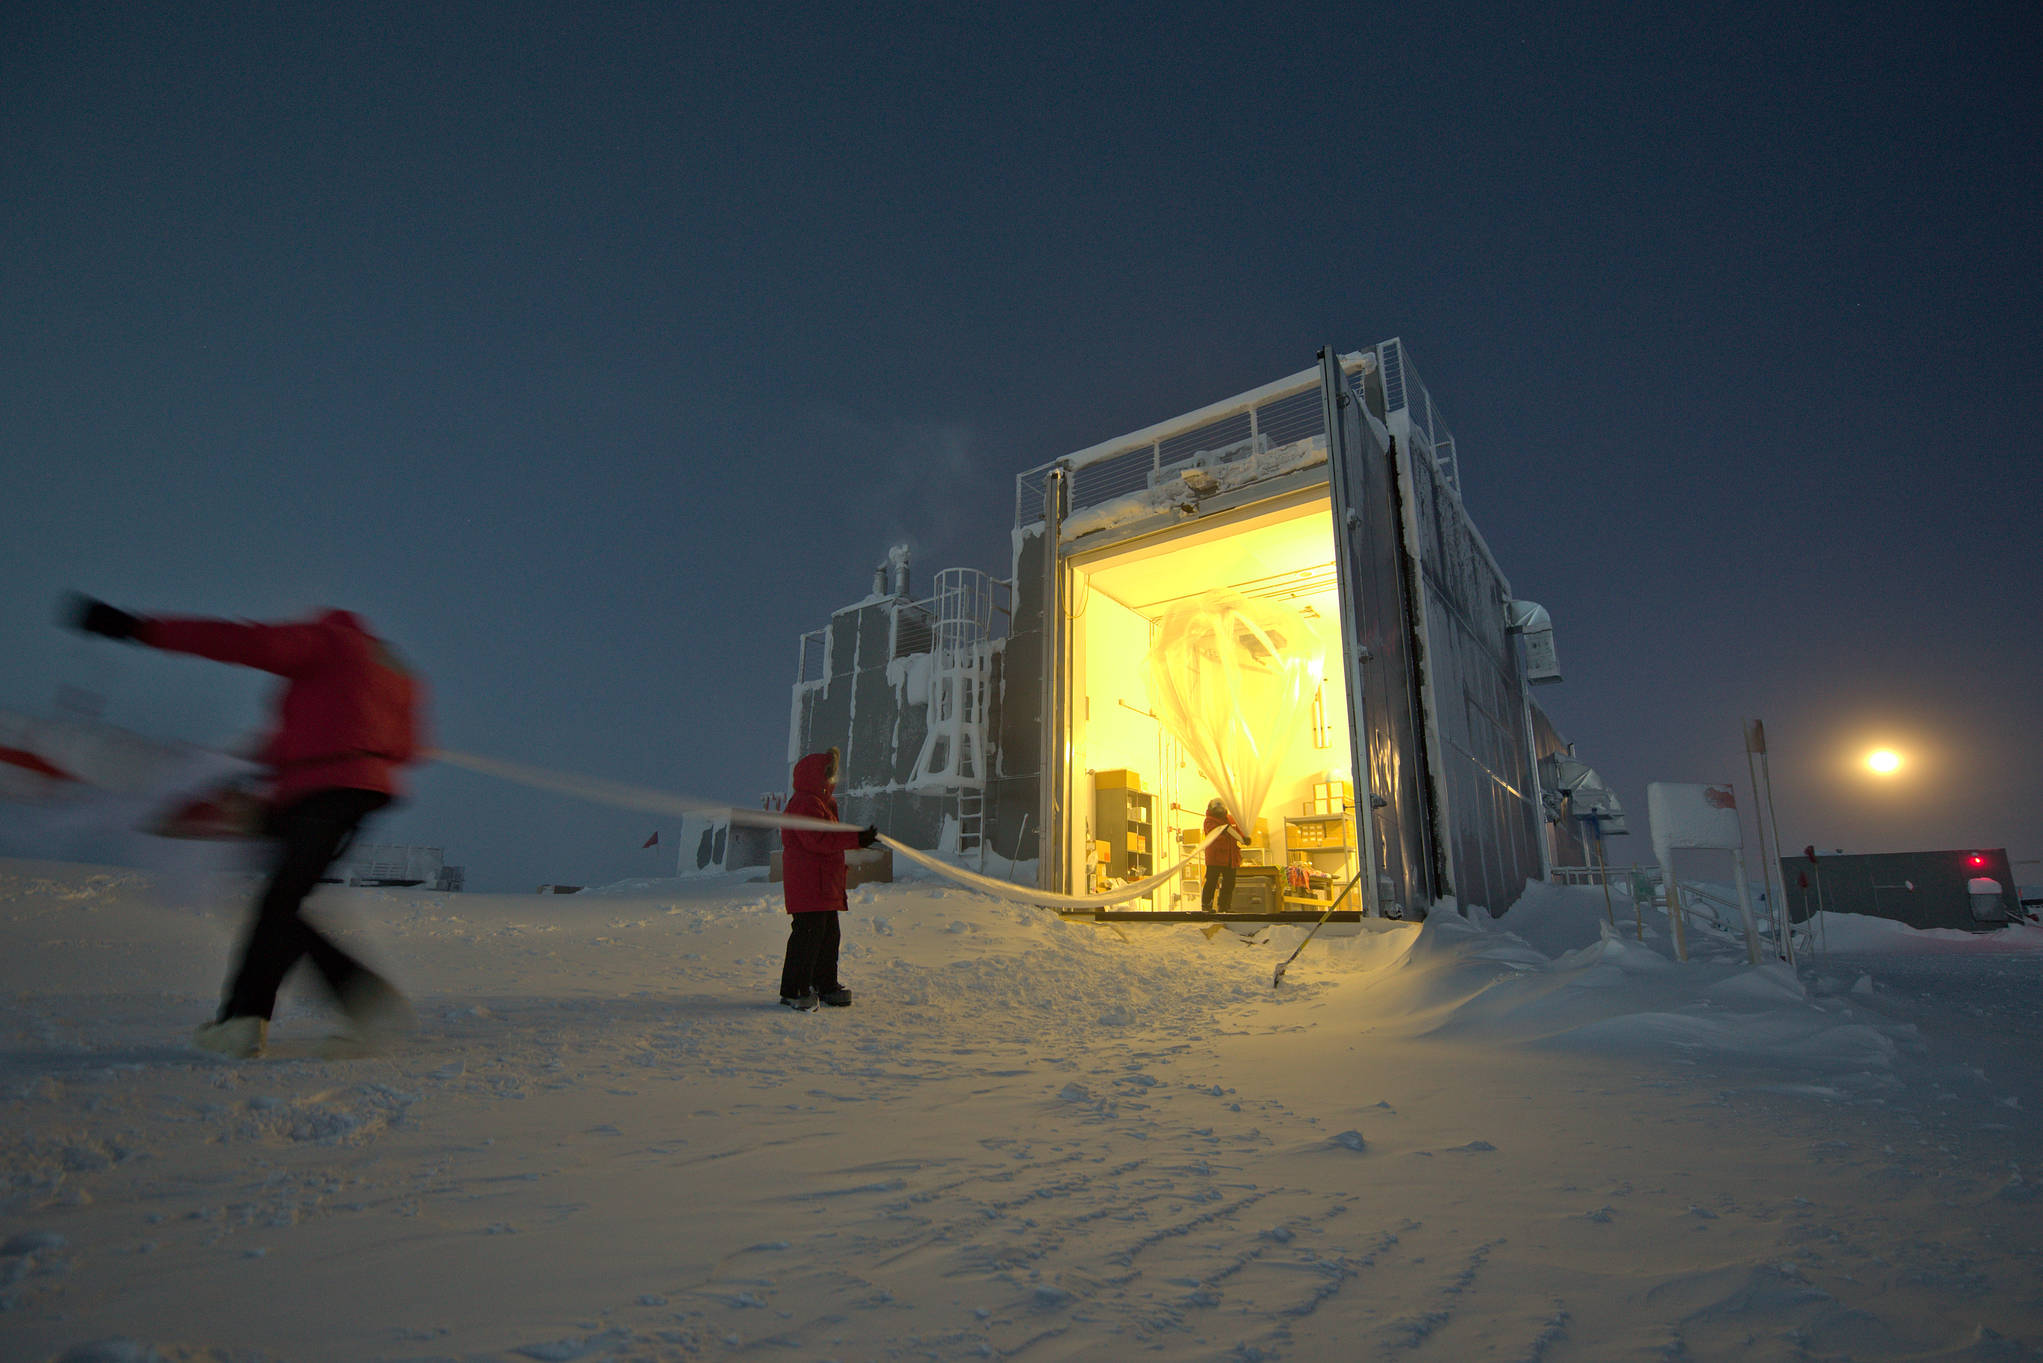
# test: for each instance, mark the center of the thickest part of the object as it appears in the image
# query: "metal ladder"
(954, 750)
(972, 824)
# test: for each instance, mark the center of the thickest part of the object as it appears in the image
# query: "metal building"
(393, 864)
(1008, 719)
(1970, 888)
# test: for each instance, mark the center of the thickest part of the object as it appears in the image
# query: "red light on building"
(1976, 859)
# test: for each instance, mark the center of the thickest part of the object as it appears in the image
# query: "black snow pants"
(310, 834)
(812, 940)
(1220, 878)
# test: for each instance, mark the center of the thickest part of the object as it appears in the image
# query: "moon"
(1885, 761)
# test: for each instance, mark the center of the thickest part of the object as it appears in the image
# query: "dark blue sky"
(596, 351)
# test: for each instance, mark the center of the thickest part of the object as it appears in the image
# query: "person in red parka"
(347, 720)
(1223, 857)
(812, 880)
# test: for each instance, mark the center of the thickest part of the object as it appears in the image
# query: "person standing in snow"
(1223, 857)
(347, 720)
(812, 881)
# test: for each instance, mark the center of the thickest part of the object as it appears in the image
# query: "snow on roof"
(1228, 469)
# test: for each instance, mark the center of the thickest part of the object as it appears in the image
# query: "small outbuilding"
(1972, 888)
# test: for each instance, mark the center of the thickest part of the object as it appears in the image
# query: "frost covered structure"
(1014, 722)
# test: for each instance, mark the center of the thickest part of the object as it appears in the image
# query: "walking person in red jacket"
(812, 879)
(347, 720)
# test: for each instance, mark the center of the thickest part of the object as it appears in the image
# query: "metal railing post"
(1050, 818)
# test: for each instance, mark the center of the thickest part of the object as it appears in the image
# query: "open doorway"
(1138, 801)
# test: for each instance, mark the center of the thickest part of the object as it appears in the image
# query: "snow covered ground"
(1029, 1138)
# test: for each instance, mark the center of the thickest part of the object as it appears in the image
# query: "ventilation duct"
(1530, 619)
(1563, 778)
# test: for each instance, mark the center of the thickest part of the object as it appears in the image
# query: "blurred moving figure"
(347, 720)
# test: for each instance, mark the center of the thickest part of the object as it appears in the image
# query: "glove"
(868, 835)
(96, 617)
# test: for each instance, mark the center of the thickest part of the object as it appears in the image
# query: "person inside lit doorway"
(1223, 857)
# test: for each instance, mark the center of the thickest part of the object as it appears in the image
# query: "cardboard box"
(1102, 850)
(861, 864)
(1330, 797)
(1118, 779)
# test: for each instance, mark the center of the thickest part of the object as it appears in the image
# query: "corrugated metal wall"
(1474, 676)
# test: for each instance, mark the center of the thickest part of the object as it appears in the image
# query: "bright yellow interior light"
(1885, 761)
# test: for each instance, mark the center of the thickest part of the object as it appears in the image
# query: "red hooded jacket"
(1224, 850)
(348, 717)
(812, 861)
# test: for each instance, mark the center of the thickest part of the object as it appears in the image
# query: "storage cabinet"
(1124, 826)
(1258, 889)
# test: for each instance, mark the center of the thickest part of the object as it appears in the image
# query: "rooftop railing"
(1242, 426)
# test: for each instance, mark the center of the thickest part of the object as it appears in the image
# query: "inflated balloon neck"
(1231, 677)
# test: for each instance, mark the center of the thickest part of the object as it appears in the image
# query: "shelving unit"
(1325, 842)
(1192, 879)
(1124, 824)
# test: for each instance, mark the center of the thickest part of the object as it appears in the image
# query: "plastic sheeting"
(622, 796)
(1232, 677)
(618, 795)
(1022, 894)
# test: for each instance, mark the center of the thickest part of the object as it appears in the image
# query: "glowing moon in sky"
(1885, 761)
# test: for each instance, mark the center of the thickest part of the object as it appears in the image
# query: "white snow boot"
(238, 1038)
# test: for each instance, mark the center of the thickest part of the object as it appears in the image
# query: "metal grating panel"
(914, 629)
(1109, 478)
(1393, 359)
(810, 667)
(1298, 417)
(1214, 435)
(1404, 391)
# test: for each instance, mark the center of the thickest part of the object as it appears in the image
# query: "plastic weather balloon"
(1231, 678)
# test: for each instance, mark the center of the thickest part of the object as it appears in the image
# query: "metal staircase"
(954, 751)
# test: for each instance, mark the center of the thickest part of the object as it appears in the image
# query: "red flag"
(21, 757)
(652, 841)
